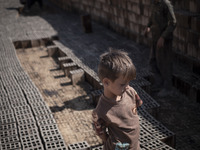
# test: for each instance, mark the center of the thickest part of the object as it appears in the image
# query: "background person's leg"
(164, 62)
(157, 78)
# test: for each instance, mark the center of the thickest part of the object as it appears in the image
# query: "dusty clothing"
(117, 121)
(162, 23)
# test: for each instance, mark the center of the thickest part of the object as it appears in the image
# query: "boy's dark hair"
(115, 63)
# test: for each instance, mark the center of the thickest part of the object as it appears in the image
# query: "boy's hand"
(139, 102)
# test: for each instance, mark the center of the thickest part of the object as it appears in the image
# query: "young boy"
(115, 118)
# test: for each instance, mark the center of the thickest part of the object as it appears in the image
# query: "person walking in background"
(162, 23)
(115, 118)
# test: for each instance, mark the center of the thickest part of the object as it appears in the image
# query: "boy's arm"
(139, 102)
(99, 128)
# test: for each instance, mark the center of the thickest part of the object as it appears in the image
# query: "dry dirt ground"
(71, 105)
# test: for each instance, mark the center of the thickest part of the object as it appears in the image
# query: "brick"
(99, 147)
(12, 145)
(134, 7)
(46, 41)
(146, 10)
(153, 145)
(61, 53)
(184, 5)
(145, 136)
(7, 119)
(199, 42)
(17, 44)
(103, 14)
(144, 20)
(181, 34)
(9, 126)
(146, 2)
(26, 44)
(68, 67)
(102, 1)
(165, 147)
(56, 145)
(193, 37)
(79, 146)
(192, 50)
(195, 24)
(121, 22)
(28, 131)
(10, 132)
(35, 43)
(106, 8)
(98, 5)
(182, 46)
(183, 19)
(62, 60)
(134, 17)
(32, 142)
(194, 6)
(136, 1)
(122, 4)
(52, 50)
(9, 139)
(43, 109)
(77, 76)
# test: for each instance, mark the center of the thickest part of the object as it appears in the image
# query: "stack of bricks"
(187, 32)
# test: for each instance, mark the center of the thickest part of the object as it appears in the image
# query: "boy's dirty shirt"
(119, 119)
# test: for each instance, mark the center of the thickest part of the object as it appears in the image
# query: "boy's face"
(118, 87)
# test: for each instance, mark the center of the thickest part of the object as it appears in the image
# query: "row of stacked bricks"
(72, 66)
(187, 32)
(186, 44)
(26, 121)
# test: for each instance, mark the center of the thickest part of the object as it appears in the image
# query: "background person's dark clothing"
(161, 64)
(162, 23)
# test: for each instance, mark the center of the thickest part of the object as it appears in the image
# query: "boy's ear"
(106, 81)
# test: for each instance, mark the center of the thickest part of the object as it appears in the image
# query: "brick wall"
(129, 17)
